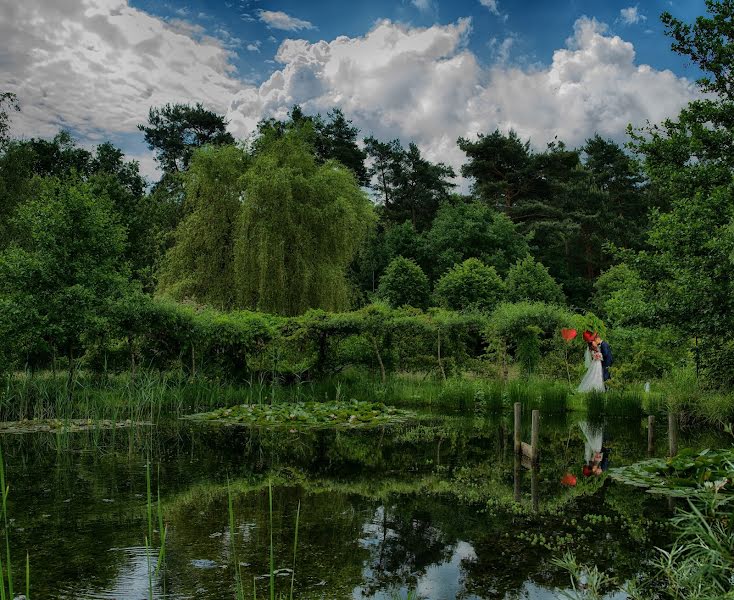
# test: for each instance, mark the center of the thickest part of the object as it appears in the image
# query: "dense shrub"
(471, 285)
(404, 284)
(524, 331)
(530, 281)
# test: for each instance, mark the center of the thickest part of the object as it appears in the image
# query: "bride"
(593, 381)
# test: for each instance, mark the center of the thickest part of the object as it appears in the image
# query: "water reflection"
(441, 507)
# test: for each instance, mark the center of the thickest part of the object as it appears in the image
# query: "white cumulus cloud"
(632, 15)
(277, 19)
(425, 85)
(423, 5)
(97, 66)
(491, 5)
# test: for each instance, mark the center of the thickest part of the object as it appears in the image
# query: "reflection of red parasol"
(568, 334)
(568, 479)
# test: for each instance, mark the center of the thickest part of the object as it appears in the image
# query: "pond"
(425, 506)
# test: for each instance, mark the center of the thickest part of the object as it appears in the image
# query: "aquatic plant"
(309, 414)
(684, 474)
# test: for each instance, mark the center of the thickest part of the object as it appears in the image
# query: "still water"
(427, 507)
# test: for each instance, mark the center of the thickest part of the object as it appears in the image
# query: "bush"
(528, 280)
(472, 285)
(526, 331)
(620, 295)
(404, 284)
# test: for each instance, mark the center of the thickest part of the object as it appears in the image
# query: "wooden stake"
(517, 478)
(651, 435)
(518, 425)
(672, 434)
(534, 449)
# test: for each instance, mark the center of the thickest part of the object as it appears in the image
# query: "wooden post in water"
(672, 434)
(534, 487)
(535, 451)
(651, 435)
(517, 477)
(518, 428)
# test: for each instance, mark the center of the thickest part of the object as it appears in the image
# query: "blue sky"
(538, 26)
(427, 71)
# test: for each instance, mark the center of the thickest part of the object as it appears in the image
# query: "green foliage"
(526, 331)
(300, 227)
(61, 281)
(174, 131)
(309, 414)
(8, 102)
(411, 188)
(684, 474)
(621, 297)
(647, 353)
(200, 265)
(528, 280)
(404, 284)
(470, 285)
(464, 230)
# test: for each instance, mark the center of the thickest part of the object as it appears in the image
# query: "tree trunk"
(379, 358)
(70, 379)
(440, 362)
(132, 359)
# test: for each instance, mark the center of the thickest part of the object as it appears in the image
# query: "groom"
(606, 356)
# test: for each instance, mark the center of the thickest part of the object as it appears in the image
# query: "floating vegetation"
(682, 475)
(309, 414)
(64, 425)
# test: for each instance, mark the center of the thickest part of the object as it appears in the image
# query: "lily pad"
(683, 475)
(308, 415)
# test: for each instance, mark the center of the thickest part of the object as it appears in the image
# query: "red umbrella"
(568, 479)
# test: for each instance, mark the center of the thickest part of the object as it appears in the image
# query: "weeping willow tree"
(301, 224)
(200, 265)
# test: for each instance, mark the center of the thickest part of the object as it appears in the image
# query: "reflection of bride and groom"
(597, 358)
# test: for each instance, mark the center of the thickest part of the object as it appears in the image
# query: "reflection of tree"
(403, 542)
(434, 479)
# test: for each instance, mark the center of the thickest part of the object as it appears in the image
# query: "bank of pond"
(334, 495)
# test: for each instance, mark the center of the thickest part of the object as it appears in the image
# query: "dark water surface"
(426, 507)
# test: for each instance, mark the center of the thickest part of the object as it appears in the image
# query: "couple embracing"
(598, 358)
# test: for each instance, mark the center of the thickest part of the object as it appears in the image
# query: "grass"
(700, 565)
(118, 398)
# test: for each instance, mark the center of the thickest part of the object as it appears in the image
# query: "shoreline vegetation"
(152, 395)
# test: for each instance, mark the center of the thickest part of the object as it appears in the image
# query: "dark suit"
(606, 359)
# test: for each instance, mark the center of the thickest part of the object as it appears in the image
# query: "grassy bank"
(149, 395)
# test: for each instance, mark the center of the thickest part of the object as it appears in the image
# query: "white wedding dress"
(593, 381)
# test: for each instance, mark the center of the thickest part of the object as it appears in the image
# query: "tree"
(8, 103)
(709, 43)
(337, 140)
(301, 226)
(385, 168)
(200, 265)
(404, 284)
(333, 138)
(689, 161)
(528, 280)
(471, 285)
(174, 131)
(411, 188)
(471, 229)
(622, 298)
(61, 280)
(502, 168)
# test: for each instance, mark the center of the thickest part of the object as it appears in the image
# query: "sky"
(427, 71)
